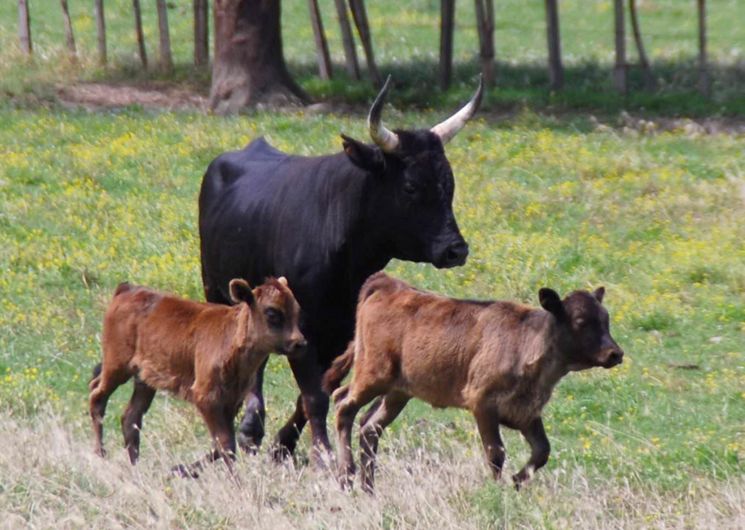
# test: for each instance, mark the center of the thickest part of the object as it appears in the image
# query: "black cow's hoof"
(250, 434)
(183, 471)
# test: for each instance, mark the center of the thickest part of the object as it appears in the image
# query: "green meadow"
(656, 215)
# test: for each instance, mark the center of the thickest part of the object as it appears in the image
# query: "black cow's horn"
(447, 129)
(385, 139)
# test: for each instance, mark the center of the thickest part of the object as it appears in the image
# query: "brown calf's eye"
(274, 317)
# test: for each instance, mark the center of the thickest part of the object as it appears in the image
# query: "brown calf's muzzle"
(295, 346)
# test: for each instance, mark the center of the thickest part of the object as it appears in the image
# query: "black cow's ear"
(599, 293)
(363, 156)
(240, 291)
(551, 302)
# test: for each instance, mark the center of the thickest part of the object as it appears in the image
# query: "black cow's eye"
(274, 317)
(409, 188)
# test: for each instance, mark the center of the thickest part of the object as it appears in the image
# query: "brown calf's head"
(584, 325)
(275, 313)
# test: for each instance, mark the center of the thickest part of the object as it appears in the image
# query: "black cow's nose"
(456, 254)
(616, 357)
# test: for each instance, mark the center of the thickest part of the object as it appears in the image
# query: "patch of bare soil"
(101, 96)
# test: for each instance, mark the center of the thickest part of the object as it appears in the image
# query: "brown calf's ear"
(551, 302)
(240, 291)
(599, 294)
(362, 155)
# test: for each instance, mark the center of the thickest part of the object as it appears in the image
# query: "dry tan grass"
(49, 478)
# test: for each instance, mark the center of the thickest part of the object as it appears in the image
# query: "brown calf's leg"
(219, 420)
(540, 448)
(108, 381)
(142, 397)
(346, 410)
(251, 431)
(383, 413)
(488, 424)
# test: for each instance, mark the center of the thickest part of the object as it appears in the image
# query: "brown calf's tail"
(338, 370)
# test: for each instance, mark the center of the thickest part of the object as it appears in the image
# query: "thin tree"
(69, 36)
(350, 53)
(139, 34)
(649, 81)
(553, 36)
(620, 68)
(485, 26)
(322, 47)
(704, 83)
(24, 27)
(249, 66)
(360, 20)
(447, 23)
(100, 31)
(165, 59)
(201, 33)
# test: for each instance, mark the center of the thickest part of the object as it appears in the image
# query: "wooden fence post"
(201, 33)
(649, 81)
(24, 27)
(138, 33)
(485, 26)
(447, 22)
(165, 59)
(360, 20)
(322, 47)
(69, 35)
(553, 36)
(100, 32)
(704, 83)
(350, 54)
(620, 80)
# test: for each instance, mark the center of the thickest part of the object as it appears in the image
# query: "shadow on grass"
(587, 88)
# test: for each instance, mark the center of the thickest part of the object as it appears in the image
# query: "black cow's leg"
(289, 434)
(540, 448)
(251, 430)
(307, 373)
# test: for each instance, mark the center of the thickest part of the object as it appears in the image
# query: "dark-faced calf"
(499, 360)
(207, 354)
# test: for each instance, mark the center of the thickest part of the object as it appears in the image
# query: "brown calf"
(207, 354)
(499, 360)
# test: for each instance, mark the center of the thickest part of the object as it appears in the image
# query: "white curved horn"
(385, 139)
(447, 129)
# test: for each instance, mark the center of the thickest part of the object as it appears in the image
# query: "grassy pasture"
(88, 199)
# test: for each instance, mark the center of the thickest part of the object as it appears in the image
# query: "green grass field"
(89, 199)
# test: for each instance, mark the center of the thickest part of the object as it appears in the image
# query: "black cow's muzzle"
(453, 255)
(615, 357)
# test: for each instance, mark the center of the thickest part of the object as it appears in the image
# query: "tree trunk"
(447, 21)
(138, 33)
(24, 27)
(620, 81)
(165, 59)
(485, 25)
(201, 33)
(322, 47)
(649, 81)
(100, 31)
(249, 66)
(553, 36)
(704, 84)
(69, 35)
(360, 20)
(350, 54)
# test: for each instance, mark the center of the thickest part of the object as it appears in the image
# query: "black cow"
(326, 223)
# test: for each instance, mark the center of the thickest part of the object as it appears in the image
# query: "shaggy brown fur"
(207, 354)
(499, 360)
